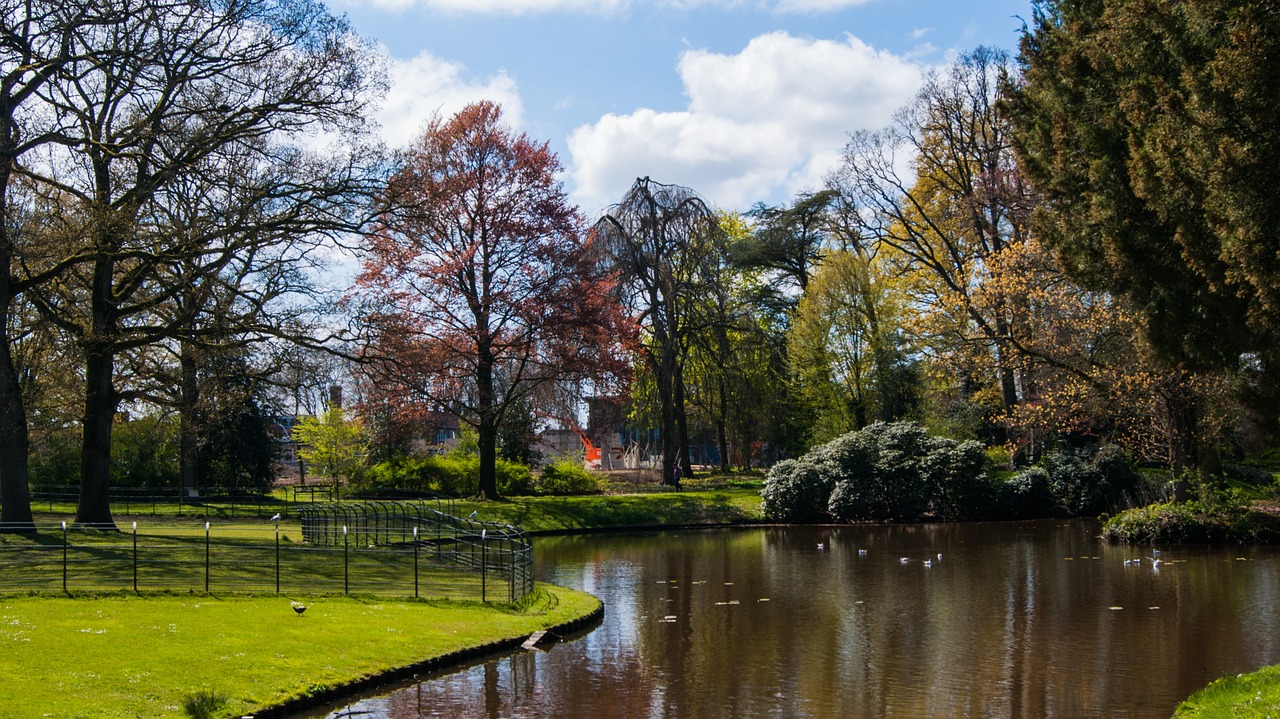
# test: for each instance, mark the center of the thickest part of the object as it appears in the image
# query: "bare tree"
(939, 189)
(164, 103)
(35, 46)
(658, 237)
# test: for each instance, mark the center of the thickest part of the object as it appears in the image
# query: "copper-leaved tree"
(479, 285)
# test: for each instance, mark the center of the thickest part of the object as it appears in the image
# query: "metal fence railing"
(206, 501)
(499, 554)
(251, 559)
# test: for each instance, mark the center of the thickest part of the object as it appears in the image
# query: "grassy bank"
(1196, 522)
(144, 656)
(731, 505)
(1249, 696)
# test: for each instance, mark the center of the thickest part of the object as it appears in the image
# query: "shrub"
(885, 471)
(886, 481)
(1249, 474)
(567, 476)
(455, 475)
(514, 479)
(1025, 495)
(144, 452)
(55, 457)
(794, 491)
(1090, 484)
(1214, 520)
(957, 474)
(203, 703)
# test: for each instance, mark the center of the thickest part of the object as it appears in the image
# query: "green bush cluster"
(1221, 519)
(1087, 484)
(887, 471)
(1027, 494)
(567, 476)
(795, 491)
(454, 475)
(897, 471)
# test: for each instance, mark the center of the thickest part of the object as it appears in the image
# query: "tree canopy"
(1150, 128)
(479, 284)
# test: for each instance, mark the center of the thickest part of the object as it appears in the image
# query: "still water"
(1018, 620)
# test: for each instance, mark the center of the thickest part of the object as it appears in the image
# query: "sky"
(744, 101)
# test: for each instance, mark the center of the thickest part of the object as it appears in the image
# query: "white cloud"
(426, 84)
(760, 125)
(500, 7)
(807, 6)
(595, 7)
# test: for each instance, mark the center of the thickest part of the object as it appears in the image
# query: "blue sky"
(742, 100)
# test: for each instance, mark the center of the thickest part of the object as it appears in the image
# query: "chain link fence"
(494, 563)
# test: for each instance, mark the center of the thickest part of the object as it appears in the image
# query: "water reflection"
(1007, 620)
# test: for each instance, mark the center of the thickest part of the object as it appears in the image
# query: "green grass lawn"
(126, 655)
(170, 554)
(731, 505)
(1249, 696)
(141, 656)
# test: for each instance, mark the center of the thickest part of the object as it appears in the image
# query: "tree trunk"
(667, 410)
(682, 424)
(722, 430)
(95, 460)
(1183, 434)
(15, 438)
(15, 493)
(187, 420)
(488, 439)
(663, 362)
(488, 432)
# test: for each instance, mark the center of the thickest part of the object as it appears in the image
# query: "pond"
(1035, 619)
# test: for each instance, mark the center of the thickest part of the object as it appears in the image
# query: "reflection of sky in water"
(1014, 620)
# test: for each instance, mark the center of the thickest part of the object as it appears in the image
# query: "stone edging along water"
(444, 662)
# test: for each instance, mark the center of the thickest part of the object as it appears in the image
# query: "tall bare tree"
(170, 101)
(36, 45)
(659, 236)
(940, 191)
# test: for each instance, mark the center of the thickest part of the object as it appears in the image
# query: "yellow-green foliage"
(128, 656)
(567, 476)
(454, 474)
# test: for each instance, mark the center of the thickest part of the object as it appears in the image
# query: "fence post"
(206, 557)
(277, 557)
(484, 563)
(415, 562)
(346, 566)
(135, 557)
(64, 556)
